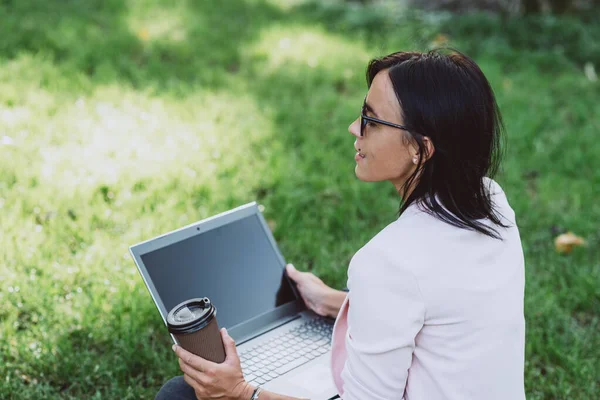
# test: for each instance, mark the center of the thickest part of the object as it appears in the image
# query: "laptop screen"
(234, 265)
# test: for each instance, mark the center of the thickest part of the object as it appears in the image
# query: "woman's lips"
(358, 157)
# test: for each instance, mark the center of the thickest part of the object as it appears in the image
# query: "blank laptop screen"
(234, 265)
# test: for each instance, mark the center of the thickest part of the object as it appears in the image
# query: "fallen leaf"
(564, 243)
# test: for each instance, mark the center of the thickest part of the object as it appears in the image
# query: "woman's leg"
(176, 389)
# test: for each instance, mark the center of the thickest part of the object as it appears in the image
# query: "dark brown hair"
(446, 98)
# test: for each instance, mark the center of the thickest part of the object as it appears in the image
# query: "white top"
(434, 312)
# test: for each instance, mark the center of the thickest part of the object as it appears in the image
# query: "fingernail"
(174, 347)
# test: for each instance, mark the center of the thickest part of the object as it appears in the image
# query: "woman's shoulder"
(381, 253)
(419, 214)
(418, 232)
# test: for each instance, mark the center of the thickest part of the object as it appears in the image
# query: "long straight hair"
(446, 98)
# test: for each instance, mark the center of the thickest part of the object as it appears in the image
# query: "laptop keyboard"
(283, 353)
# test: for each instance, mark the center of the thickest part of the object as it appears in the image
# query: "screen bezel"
(244, 330)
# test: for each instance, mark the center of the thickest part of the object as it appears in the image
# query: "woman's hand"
(215, 381)
(318, 297)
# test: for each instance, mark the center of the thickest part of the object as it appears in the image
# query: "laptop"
(233, 259)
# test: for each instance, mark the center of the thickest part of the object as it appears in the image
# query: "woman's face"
(389, 154)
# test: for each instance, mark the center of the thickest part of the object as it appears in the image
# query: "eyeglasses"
(364, 120)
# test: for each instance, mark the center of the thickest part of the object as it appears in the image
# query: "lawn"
(121, 120)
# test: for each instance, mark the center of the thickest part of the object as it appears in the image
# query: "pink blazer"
(434, 312)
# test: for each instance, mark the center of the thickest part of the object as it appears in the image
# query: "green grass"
(121, 120)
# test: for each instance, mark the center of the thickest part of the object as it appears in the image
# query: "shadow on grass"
(133, 356)
(181, 46)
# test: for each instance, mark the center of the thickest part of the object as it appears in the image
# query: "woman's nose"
(354, 127)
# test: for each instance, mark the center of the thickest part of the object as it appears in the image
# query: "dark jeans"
(176, 389)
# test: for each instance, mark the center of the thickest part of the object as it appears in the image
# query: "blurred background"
(124, 119)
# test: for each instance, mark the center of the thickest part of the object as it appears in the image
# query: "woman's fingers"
(231, 355)
(310, 288)
(193, 373)
(193, 360)
(292, 272)
(190, 381)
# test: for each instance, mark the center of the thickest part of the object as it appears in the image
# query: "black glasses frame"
(365, 119)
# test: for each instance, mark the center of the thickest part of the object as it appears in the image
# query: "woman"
(435, 302)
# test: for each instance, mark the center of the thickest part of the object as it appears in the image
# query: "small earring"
(415, 160)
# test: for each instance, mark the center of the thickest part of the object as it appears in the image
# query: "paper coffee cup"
(194, 325)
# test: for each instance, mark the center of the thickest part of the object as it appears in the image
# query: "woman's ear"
(429, 148)
(414, 153)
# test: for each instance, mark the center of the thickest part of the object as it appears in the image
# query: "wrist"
(333, 302)
(247, 392)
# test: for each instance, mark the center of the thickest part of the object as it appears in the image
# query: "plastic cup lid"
(190, 315)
